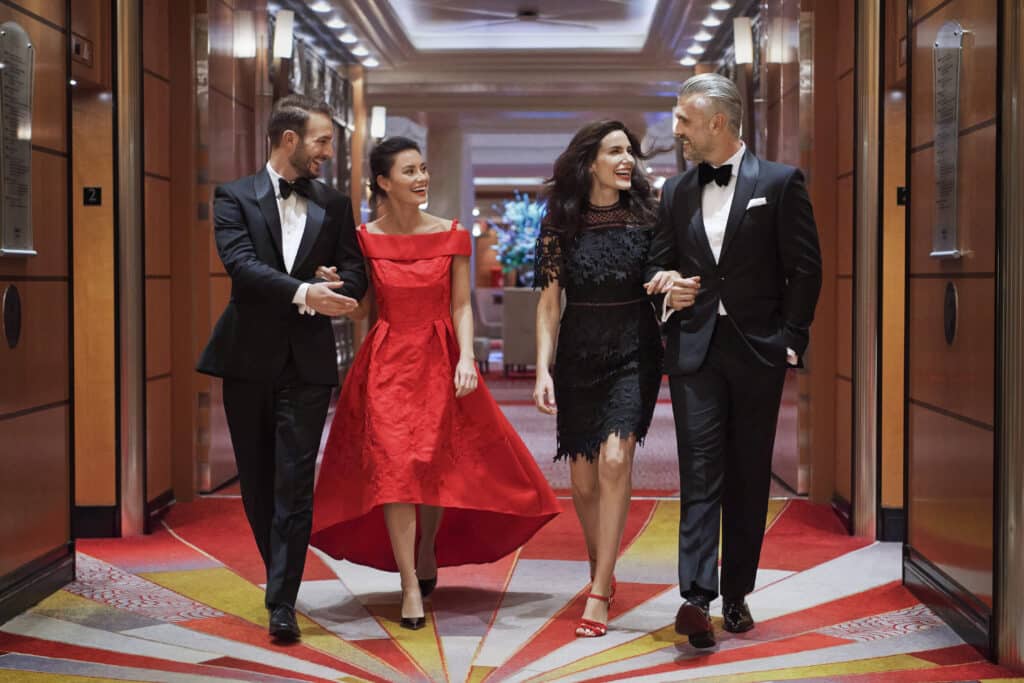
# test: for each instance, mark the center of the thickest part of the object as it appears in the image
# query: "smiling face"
(408, 180)
(697, 127)
(316, 147)
(614, 164)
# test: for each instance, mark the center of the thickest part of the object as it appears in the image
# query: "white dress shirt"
(292, 212)
(715, 204)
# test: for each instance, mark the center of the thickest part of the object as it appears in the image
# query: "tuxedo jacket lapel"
(267, 199)
(696, 212)
(314, 223)
(746, 182)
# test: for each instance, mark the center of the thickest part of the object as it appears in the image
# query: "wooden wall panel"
(94, 303)
(978, 67)
(51, 10)
(221, 32)
(976, 209)
(957, 378)
(894, 230)
(49, 221)
(844, 225)
(922, 7)
(156, 48)
(35, 373)
(222, 139)
(844, 36)
(157, 106)
(844, 439)
(49, 122)
(158, 327)
(844, 132)
(950, 497)
(158, 438)
(244, 163)
(158, 226)
(34, 487)
(844, 327)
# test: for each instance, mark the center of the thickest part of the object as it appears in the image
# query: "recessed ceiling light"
(321, 6)
(370, 62)
(695, 49)
(348, 37)
(688, 61)
(360, 51)
(712, 21)
(337, 23)
(721, 5)
(703, 36)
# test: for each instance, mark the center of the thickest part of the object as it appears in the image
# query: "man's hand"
(684, 292)
(661, 282)
(322, 299)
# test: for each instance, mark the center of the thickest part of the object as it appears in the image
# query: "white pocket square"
(756, 201)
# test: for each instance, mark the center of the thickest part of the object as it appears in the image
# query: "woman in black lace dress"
(607, 366)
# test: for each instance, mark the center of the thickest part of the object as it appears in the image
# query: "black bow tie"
(721, 175)
(300, 186)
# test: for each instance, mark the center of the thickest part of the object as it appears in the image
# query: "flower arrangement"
(517, 235)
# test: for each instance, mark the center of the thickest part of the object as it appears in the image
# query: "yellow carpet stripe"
(422, 646)
(12, 676)
(228, 592)
(477, 674)
(652, 642)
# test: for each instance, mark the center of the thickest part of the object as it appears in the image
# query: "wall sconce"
(743, 40)
(245, 34)
(783, 41)
(284, 25)
(378, 122)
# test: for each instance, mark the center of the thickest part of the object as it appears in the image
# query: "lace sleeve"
(547, 261)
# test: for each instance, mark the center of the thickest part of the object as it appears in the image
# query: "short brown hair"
(292, 113)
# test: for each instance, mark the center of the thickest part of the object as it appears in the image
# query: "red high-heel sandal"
(611, 591)
(588, 628)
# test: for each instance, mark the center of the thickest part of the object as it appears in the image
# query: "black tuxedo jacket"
(261, 326)
(768, 274)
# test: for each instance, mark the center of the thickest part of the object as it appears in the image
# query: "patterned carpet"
(185, 605)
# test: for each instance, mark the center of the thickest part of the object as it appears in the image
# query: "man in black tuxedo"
(274, 345)
(741, 231)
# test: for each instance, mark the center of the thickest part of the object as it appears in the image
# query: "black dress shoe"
(427, 586)
(694, 622)
(282, 623)
(736, 616)
(413, 623)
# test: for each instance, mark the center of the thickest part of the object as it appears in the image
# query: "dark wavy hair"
(382, 159)
(568, 188)
(292, 113)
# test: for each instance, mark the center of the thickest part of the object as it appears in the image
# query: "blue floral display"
(517, 235)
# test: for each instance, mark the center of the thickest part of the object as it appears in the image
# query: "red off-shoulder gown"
(399, 435)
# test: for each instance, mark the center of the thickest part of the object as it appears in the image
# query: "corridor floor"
(185, 604)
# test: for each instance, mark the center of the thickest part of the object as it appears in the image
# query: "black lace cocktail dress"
(608, 359)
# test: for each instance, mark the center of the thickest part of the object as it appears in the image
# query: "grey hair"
(722, 94)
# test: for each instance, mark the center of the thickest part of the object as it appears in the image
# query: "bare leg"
(401, 522)
(615, 485)
(430, 522)
(585, 499)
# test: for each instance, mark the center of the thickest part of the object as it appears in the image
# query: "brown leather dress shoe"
(694, 622)
(736, 616)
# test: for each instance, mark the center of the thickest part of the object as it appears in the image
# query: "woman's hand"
(465, 377)
(328, 274)
(661, 282)
(544, 393)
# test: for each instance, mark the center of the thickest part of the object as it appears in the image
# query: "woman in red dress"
(414, 430)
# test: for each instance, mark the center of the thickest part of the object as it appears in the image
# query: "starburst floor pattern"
(185, 605)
